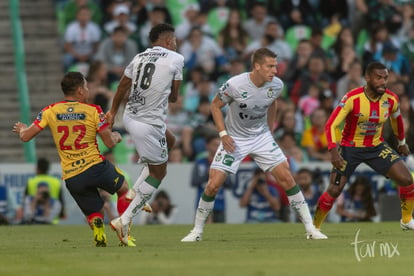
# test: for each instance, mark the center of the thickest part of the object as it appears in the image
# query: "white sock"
(144, 193)
(203, 211)
(142, 176)
(300, 206)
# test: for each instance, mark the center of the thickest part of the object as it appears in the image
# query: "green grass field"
(226, 249)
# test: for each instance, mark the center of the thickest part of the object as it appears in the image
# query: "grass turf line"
(226, 249)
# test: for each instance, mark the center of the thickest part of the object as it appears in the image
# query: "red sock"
(122, 204)
(407, 192)
(92, 216)
(326, 202)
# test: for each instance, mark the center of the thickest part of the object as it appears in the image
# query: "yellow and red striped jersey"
(74, 126)
(364, 119)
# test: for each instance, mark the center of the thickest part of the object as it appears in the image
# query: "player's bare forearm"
(122, 90)
(175, 88)
(25, 133)
(271, 115)
(217, 114)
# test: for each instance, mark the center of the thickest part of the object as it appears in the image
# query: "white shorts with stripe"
(263, 149)
(149, 140)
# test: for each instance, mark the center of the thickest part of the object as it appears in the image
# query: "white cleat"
(407, 226)
(193, 236)
(130, 195)
(122, 230)
(316, 235)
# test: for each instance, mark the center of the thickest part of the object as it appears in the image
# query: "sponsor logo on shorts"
(228, 160)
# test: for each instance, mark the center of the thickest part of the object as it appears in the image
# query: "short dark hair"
(72, 81)
(43, 165)
(260, 54)
(375, 65)
(160, 29)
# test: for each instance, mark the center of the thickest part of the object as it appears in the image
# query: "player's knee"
(212, 190)
(334, 191)
(405, 180)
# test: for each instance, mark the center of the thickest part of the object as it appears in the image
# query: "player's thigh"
(84, 190)
(230, 161)
(150, 141)
(381, 158)
(266, 152)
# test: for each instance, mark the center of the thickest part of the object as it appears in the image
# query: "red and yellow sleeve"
(396, 120)
(335, 120)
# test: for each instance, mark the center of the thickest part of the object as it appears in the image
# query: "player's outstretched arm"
(175, 89)
(123, 88)
(26, 133)
(110, 138)
(216, 105)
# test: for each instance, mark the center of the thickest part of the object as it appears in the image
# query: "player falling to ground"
(152, 79)
(74, 125)
(251, 98)
(365, 110)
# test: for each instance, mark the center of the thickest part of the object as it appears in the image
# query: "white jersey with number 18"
(248, 104)
(152, 73)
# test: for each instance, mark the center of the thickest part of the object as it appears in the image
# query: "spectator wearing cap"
(394, 60)
(121, 18)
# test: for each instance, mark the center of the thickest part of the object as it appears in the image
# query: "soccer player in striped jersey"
(251, 98)
(152, 79)
(364, 111)
(74, 125)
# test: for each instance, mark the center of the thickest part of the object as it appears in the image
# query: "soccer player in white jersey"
(152, 79)
(246, 131)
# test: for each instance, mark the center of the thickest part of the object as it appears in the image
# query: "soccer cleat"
(131, 242)
(193, 236)
(407, 226)
(130, 195)
(147, 208)
(121, 230)
(98, 232)
(315, 234)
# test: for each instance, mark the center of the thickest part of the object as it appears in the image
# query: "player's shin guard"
(144, 193)
(122, 204)
(325, 204)
(205, 206)
(407, 202)
(300, 206)
(142, 176)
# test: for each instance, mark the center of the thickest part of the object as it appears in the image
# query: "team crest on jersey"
(374, 115)
(386, 104)
(270, 93)
(70, 109)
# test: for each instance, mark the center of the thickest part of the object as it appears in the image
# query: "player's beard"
(376, 89)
